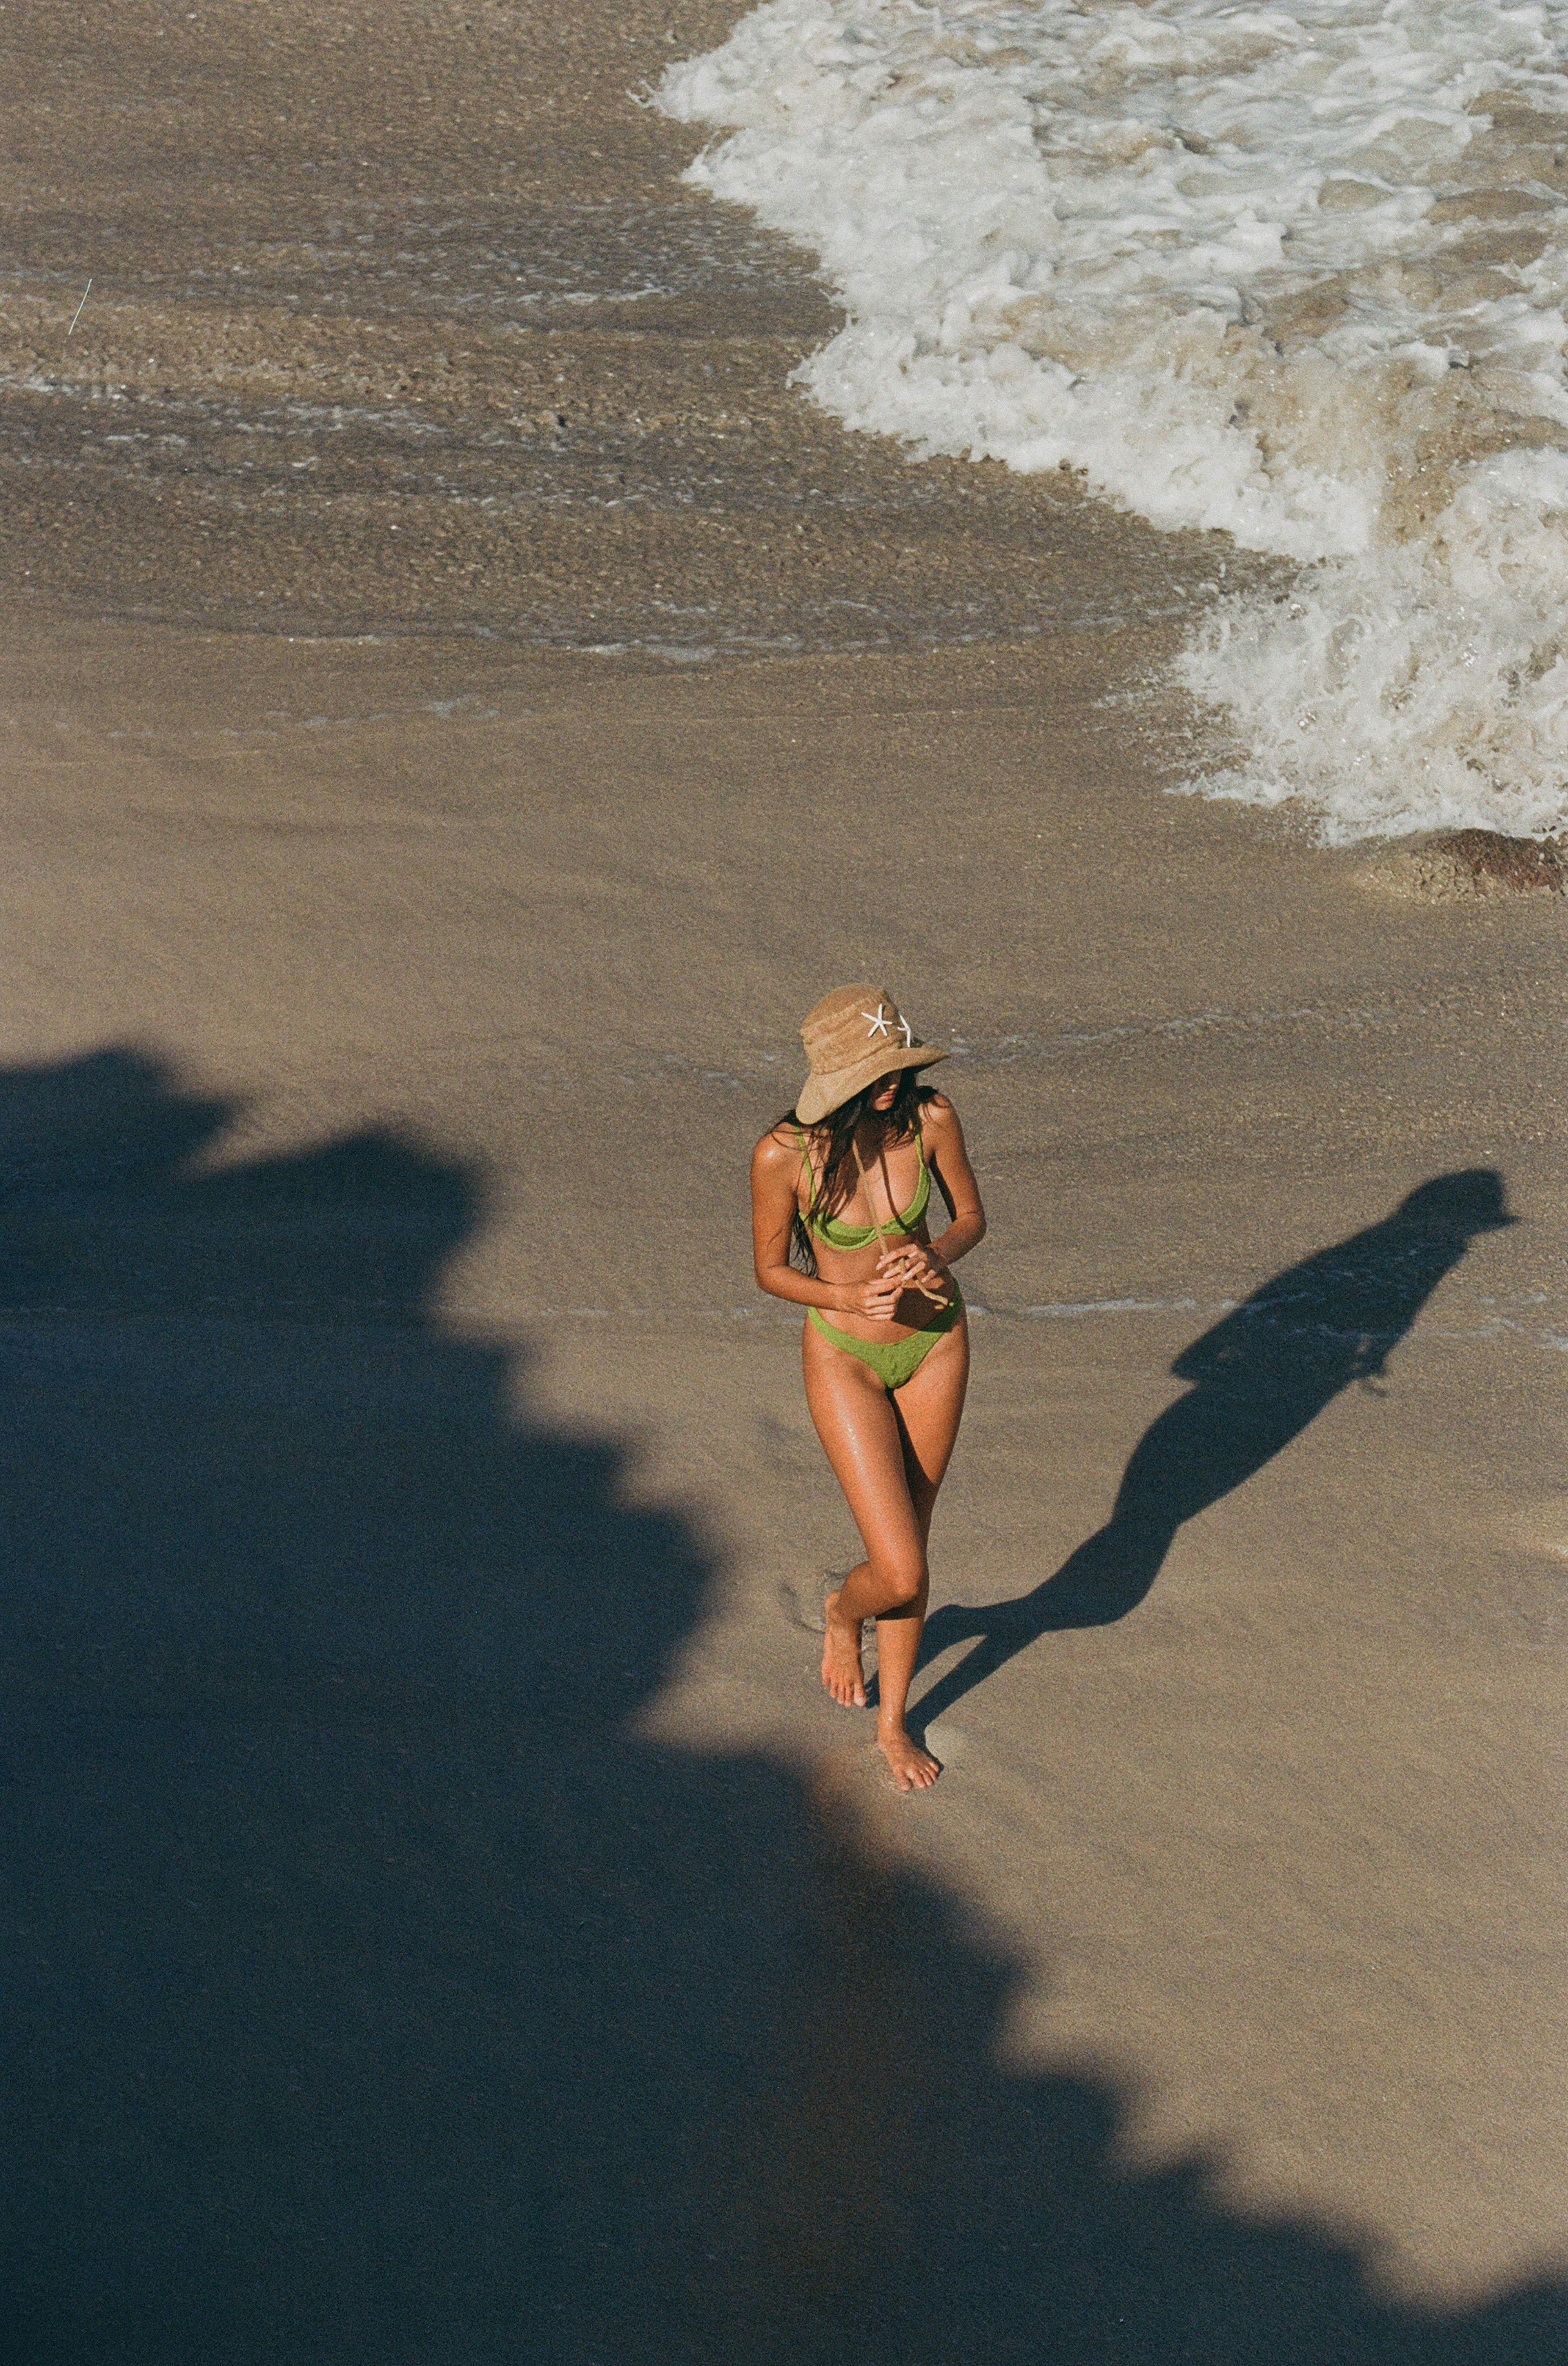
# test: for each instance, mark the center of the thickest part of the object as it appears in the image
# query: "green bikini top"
(840, 1235)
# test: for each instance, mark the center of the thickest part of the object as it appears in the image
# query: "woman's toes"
(912, 1768)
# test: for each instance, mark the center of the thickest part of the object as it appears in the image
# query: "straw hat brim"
(821, 1095)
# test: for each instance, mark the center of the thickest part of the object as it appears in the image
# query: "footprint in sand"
(1540, 1527)
(801, 1598)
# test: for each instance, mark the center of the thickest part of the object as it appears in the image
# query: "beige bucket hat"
(854, 1035)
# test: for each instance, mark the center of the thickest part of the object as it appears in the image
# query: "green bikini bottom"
(899, 1359)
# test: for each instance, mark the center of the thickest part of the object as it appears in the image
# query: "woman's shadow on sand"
(380, 1990)
(350, 2007)
(1258, 1378)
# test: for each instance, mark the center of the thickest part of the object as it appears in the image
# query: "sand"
(449, 1922)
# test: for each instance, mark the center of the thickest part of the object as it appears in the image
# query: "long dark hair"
(833, 1141)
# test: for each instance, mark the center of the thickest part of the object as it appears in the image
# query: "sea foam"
(1297, 273)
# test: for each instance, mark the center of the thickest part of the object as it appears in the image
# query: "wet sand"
(399, 319)
(450, 1923)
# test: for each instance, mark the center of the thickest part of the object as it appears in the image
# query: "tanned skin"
(889, 1450)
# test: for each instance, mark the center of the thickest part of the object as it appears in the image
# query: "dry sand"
(450, 1922)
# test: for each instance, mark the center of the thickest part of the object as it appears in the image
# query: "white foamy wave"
(1295, 273)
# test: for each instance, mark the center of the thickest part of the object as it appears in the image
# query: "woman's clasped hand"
(913, 1266)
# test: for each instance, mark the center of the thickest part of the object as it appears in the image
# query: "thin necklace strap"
(877, 1225)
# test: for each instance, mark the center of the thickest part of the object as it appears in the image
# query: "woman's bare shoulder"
(776, 1150)
(938, 1117)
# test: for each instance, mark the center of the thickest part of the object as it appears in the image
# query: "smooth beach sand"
(449, 1922)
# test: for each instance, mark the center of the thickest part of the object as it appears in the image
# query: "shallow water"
(1294, 273)
(403, 323)
(396, 332)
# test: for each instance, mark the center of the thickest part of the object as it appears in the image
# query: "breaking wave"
(1297, 273)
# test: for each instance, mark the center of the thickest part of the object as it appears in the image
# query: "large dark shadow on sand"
(373, 1995)
(1257, 1380)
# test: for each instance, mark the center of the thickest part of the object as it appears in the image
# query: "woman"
(843, 1181)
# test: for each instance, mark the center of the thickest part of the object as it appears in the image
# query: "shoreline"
(506, 375)
(388, 1022)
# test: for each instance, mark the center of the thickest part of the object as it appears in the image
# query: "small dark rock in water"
(1472, 863)
(1512, 861)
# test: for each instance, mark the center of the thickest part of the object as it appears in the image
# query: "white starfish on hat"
(879, 1024)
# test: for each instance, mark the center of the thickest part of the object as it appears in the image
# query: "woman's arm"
(950, 1158)
(775, 1165)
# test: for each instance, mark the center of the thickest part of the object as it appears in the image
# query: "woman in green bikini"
(839, 1190)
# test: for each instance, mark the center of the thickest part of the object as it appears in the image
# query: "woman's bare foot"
(843, 1674)
(914, 1769)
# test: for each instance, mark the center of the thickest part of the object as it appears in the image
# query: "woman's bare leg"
(861, 1437)
(889, 1456)
(928, 1409)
